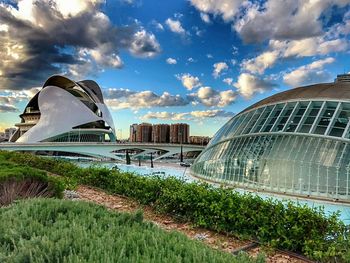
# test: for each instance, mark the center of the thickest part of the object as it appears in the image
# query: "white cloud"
(228, 81)
(210, 97)
(4, 108)
(175, 26)
(309, 74)
(219, 68)
(171, 61)
(283, 20)
(209, 56)
(205, 17)
(157, 25)
(9, 98)
(309, 46)
(248, 85)
(260, 63)
(191, 60)
(226, 8)
(127, 99)
(256, 21)
(313, 46)
(188, 81)
(164, 115)
(144, 45)
(75, 39)
(193, 115)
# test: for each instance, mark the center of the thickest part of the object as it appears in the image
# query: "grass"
(52, 230)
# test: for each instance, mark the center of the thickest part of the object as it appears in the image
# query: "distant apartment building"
(200, 140)
(161, 133)
(133, 131)
(9, 132)
(144, 132)
(179, 133)
(2, 137)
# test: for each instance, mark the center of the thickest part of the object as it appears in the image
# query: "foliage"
(63, 231)
(20, 181)
(283, 225)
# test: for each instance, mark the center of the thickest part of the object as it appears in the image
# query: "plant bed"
(51, 230)
(21, 182)
(283, 225)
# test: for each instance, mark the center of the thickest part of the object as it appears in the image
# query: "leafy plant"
(19, 182)
(63, 231)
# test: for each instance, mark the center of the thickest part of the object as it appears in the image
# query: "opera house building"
(66, 111)
(296, 142)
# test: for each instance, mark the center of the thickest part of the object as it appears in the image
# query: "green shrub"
(280, 224)
(63, 231)
(20, 181)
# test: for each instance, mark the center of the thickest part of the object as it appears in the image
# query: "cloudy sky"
(194, 61)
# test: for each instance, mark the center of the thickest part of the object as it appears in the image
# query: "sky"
(194, 61)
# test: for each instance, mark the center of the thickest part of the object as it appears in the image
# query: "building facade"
(161, 133)
(179, 133)
(199, 140)
(66, 111)
(296, 142)
(133, 131)
(144, 132)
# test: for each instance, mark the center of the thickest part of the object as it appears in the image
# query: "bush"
(63, 231)
(283, 225)
(19, 182)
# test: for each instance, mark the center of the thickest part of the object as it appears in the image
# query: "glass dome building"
(296, 142)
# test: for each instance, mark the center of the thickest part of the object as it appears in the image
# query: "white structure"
(66, 111)
(104, 150)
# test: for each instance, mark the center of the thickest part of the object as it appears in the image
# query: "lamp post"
(151, 160)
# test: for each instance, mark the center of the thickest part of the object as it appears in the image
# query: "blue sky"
(195, 61)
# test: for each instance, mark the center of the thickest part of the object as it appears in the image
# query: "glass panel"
(293, 124)
(263, 119)
(325, 118)
(273, 118)
(284, 117)
(253, 120)
(341, 121)
(311, 116)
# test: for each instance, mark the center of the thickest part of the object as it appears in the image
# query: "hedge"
(283, 225)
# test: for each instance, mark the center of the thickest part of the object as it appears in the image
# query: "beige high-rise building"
(179, 133)
(144, 132)
(161, 133)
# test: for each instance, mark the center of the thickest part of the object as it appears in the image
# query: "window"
(326, 117)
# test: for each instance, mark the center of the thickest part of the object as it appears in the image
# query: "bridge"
(104, 150)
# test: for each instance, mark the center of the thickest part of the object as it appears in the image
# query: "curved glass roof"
(296, 142)
(328, 118)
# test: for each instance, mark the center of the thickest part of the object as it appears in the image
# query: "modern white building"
(66, 111)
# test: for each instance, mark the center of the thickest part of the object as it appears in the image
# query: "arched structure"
(66, 111)
(104, 150)
(296, 142)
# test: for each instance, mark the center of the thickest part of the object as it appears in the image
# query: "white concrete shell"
(67, 107)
